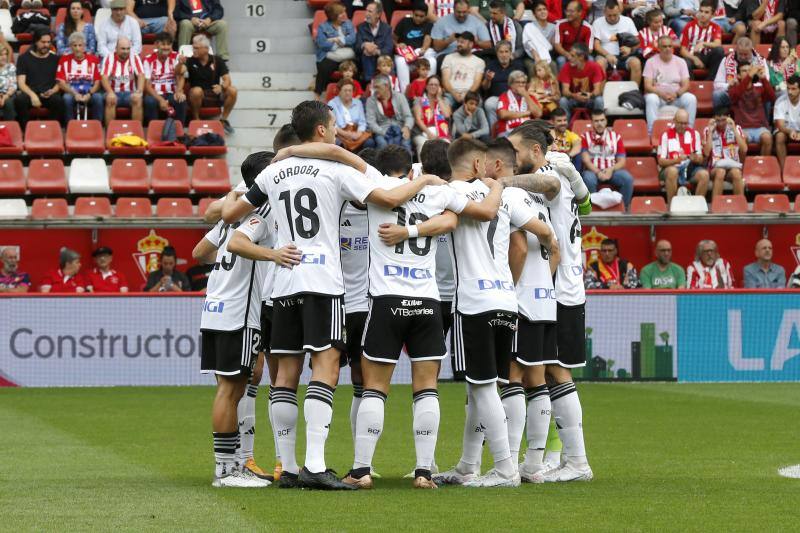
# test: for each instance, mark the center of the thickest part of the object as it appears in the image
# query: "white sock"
(538, 423)
(318, 410)
(358, 392)
(513, 399)
(568, 415)
(493, 418)
(369, 426)
(284, 420)
(246, 410)
(272, 425)
(472, 442)
(426, 427)
(224, 453)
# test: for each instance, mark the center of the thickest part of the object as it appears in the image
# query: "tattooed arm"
(549, 186)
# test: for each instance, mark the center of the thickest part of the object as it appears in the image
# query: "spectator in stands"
(202, 16)
(439, 8)
(680, 157)
(748, 98)
(725, 146)
(654, 29)
(680, 13)
(334, 43)
(11, 279)
(373, 39)
(78, 77)
(792, 17)
(582, 82)
(388, 116)
(543, 85)
(412, 36)
(385, 66)
(516, 105)
(663, 273)
(431, 114)
(502, 28)
(416, 88)
(8, 85)
(565, 140)
(102, 277)
(351, 122)
(119, 25)
(763, 273)
(570, 31)
(782, 64)
(447, 29)
(701, 41)
(164, 80)
(538, 36)
(603, 155)
(730, 18)
(154, 16)
(210, 82)
(470, 121)
(167, 278)
(513, 9)
(608, 271)
(767, 20)
(709, 270)
(122, 78)
(728, 76)
(666, 83)
(75, 23)
(349, 71)
(787, 118)
(495, 78)
(609, 52)
(462, 71)
(36, 79)
(68, 276)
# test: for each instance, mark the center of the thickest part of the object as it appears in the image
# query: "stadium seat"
(791, 173)
(645, 174)
(703, 90)
(174, 207)
(317, 4)
(762, 173)
(659, 127)
(729, 204)
(92, 207)
(211, 176)
(319, 18)
(688, 205)
(12, 177)
(611, 93)
(44, 137)
(581, 126)
(771, 203)
(47, 176)
(147, 49)
(170, 176)
(124, 127)
(129, 176)
(88, 176)
(5, 25)
(13, 208)
(49, 208)
(154, 136)
(361, 15)
(700, 124)
(15, 133)
(133, 208)
(648, 205)
(85, 137)
(198, 127)
(398, 15)
(763, 49)
(634, 135)
(202, 207)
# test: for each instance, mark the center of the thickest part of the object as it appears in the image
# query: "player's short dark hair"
(393, 159)
(286, 136)
(535, 132)
(497, 4)
(722, 111)
(306, 116)
(502, 149)
(794, 79)
(254, 164)
(712, 4)
(169, 251)
(611, 4)
(598, 113)
(370, 156)
(537, 3)
(461, 148)
(610, 242)
(558, 112)
(420, 6)
(472, 95)
(39, 32)
(433, 157)
(460, 2)
(164, 37)
(580, 49)
(651, 15)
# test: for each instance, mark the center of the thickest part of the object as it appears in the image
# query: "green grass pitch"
(665, 456)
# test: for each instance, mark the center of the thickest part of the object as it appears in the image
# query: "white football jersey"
(408, 268)
(354, 243)
(267, 268)
(444, 270)
(307, 196)
(567, 226)
(480, 252)
(535, 292)
(233, 295)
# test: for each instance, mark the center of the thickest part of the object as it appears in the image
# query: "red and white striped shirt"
(672, 145)
(442, 8)
(603, 149)
(72, 71)
(161, 74)
(648, 39)
(122, 74)
(693, 33)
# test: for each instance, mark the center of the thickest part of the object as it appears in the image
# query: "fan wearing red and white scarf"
(708, 270)
(508, 33)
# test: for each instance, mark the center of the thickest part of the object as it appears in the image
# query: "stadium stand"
(85, 137)
(210, 176)
(133, 208)
(88, 176)
(170, 176)
(124, 128)
(129, 176)
(49, 208)
(92, 207)
(44, 137)
(174, 208)
(14, 147)
(47, 176)
(12, 178)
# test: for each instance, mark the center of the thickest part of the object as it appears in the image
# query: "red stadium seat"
(771, 203)
(700, 124)
(170, 176)
(318, 4)
(791, 173)
(648, 205)
(47, 176)
(12, 178)
(659, 127)
(43, 137)
(202, 207)
(319, 18)
(581, 126)
(198, 127)
(49, 208)
(92, 206)
(85, 137)
(763, 50)
(398, 15)
(634, 135)
(645, 174)
(762, 173)
(361, 16)
(124, 127)
(729, 204)
(15, 134)
(211, 176)
(129, 176)
(133, 208)
(704, 91)
(174, 207)
(154, 137)
(147, 49)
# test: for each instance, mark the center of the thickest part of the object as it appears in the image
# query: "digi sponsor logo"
(213, 307)
(495, 284)
(406, 272)
(542, 293)
(313, 259)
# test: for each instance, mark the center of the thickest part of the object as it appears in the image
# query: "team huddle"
(357, 260)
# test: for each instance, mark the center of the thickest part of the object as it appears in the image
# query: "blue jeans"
(154, 25)
(369, 64)
(393, 135)
(620, 179)
(151, 110)
(568, 104)
(95, 107)
(678, 23)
